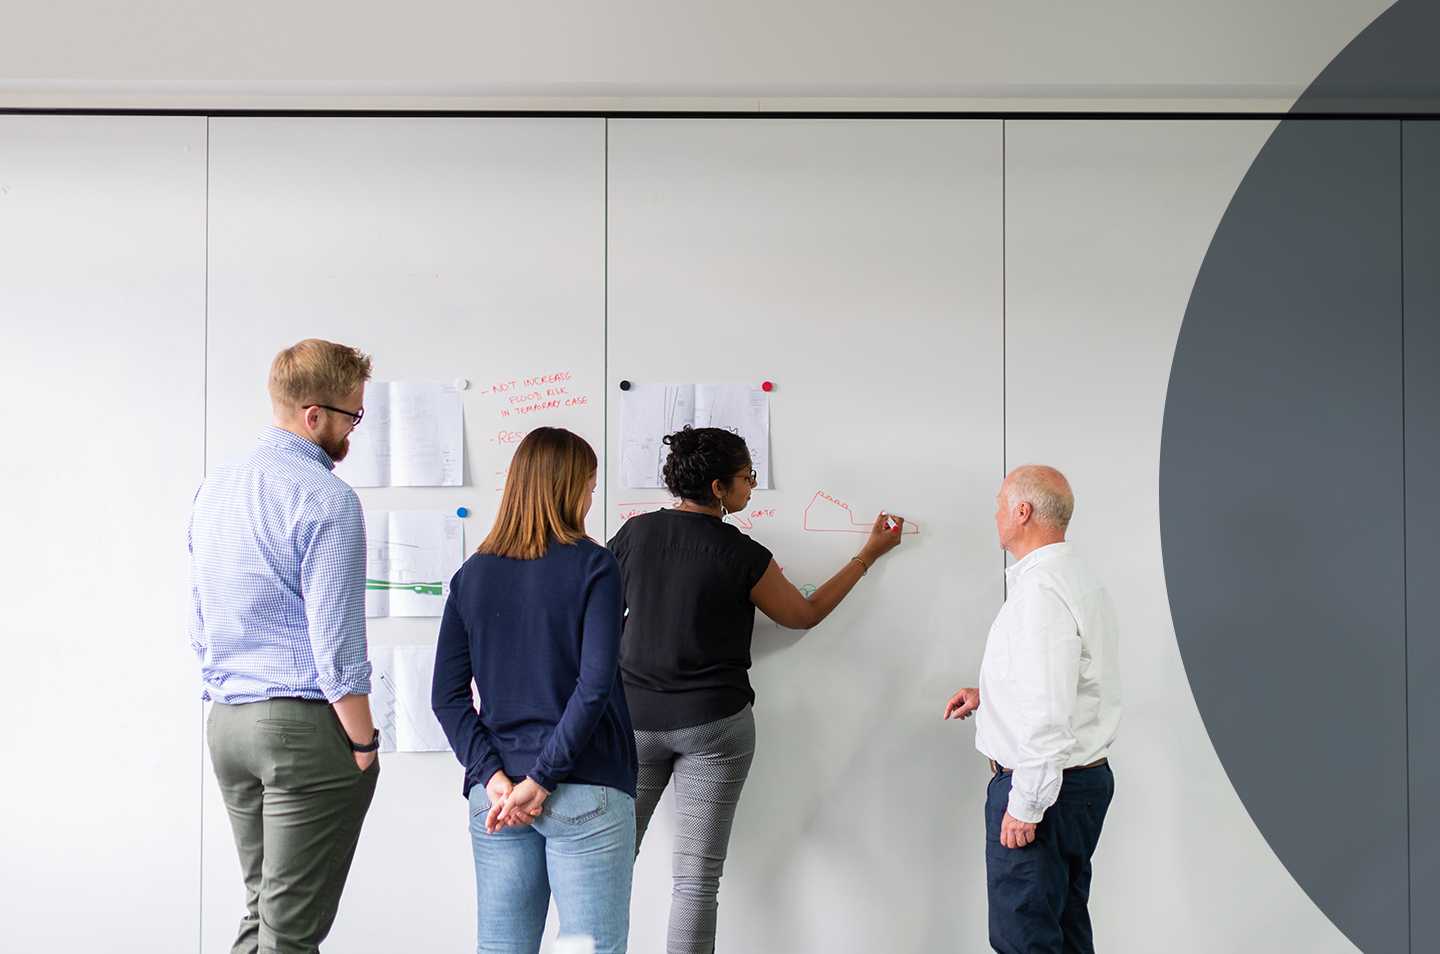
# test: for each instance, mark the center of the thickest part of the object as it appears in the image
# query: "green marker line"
(424, 589)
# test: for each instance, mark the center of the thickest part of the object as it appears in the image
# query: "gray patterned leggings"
(709, 764)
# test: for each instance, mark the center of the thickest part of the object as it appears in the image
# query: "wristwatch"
(374, 745)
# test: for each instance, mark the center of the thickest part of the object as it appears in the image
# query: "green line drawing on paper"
(409, 556)
(424, 589)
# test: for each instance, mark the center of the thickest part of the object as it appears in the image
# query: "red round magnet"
(767, 386)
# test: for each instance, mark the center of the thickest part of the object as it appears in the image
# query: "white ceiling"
(1242, 54)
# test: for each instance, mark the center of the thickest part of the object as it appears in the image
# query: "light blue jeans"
(582, 847)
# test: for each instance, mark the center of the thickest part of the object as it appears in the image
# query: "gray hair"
(1046, 490)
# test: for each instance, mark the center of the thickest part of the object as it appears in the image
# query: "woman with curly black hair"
(691, 584)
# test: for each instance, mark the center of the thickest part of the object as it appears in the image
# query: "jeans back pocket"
(577, 804)
(479, 801)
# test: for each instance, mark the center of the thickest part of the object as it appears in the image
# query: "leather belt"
(997, 769)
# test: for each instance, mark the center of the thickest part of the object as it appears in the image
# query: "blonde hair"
(544, 499)
(315, 371)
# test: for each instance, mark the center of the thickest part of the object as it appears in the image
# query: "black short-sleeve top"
(685, 652)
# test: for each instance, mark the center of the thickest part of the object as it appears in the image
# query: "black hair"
(699, 456)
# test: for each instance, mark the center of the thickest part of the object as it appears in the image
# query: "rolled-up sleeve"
(332, 583)
(1046, 649)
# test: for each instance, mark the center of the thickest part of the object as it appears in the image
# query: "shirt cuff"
(544, 779)
(1025, 809)
(339, 683)
(486, 772)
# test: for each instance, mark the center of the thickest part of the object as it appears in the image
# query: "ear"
(1023, 512)
(718, 489)
(312, 417)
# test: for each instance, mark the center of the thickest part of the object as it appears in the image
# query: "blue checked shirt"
(277, 577)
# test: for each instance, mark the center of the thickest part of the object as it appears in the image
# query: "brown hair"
(544, 497)
(316, 371)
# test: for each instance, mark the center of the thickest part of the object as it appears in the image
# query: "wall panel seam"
(1405, 568)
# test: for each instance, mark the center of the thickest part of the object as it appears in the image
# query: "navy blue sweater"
(541, 639)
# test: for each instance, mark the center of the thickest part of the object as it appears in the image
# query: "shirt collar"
(281, 439)
(1034, 558)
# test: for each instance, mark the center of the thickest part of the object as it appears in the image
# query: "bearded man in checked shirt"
(277, 578)
(1051, 689)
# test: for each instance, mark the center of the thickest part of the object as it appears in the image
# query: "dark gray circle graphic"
(1283, 485)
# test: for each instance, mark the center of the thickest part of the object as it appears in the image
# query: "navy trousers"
(1040, 894)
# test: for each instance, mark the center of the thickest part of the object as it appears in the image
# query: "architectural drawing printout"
(400, 699)
(651, 411)
(413, 435)
(409, 559)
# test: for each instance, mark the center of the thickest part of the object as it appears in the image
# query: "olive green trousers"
(296, 801)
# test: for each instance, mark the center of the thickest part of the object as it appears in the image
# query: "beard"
(337, 449)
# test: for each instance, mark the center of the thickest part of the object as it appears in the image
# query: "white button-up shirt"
(1050, 679)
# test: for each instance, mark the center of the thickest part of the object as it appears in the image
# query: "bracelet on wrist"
(372, 746)
(856, 559)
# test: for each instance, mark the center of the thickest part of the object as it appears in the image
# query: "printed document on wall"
(651, 411)
(413, 435)
(400, 699)
(409, 559)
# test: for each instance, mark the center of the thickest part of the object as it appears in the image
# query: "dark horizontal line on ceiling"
(719, 114)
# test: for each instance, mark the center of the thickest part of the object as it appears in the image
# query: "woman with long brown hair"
(534, 618)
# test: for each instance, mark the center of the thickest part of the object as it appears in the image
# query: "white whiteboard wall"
(857, 266)
(102, 309)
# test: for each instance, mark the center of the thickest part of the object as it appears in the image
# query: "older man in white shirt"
(1051, 691)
